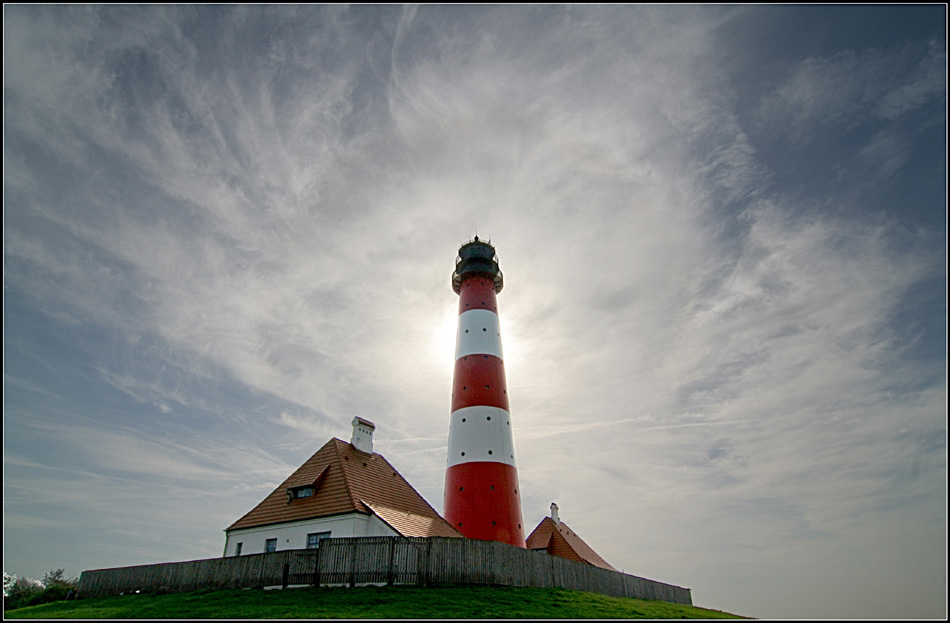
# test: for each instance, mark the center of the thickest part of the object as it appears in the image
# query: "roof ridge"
(582, 548)
(372, 510)
(398, 474)
(286, 482)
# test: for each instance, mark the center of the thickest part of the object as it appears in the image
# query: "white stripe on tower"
(478, 333)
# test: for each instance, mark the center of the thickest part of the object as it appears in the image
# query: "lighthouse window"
(484, 329)
(489, 452)
(488, 417)
(463, 454)
(463, 419)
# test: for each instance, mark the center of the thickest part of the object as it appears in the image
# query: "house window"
(305, 492)
(237, 549)
(270, 545)
(313, 539)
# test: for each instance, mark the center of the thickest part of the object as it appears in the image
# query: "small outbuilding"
(558, 539)
(344, 490)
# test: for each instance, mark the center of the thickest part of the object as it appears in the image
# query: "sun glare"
(443, 340)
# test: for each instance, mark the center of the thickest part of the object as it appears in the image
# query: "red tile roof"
(559, 540)
(349, 481)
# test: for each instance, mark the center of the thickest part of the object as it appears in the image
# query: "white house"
(343, 490)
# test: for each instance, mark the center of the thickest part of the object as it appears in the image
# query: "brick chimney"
(363, 435)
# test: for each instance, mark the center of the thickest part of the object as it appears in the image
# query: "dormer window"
(306, 489)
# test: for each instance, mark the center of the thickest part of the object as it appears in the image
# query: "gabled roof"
(349, 481)
(559, 540)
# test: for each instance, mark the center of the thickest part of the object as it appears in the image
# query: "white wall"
(294, 535)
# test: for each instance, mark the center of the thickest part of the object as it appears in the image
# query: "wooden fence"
(381, 560)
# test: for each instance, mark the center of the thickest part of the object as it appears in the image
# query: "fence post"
(423, 569)
(260, 576)
(352, 545)
(316, 568)
(392, 561)
(425, 572)
(286, 575)
(491, 564)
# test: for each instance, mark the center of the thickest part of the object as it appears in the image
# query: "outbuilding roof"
(560, 540)
(346, 480)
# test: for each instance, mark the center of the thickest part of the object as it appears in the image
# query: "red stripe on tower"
(481, 481)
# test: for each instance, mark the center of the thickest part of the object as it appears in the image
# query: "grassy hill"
(369, 603)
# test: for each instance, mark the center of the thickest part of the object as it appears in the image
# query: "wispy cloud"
(853, 87)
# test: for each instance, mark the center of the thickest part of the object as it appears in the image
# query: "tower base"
(482, 502)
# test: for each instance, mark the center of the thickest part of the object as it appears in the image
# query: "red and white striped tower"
(481, 481)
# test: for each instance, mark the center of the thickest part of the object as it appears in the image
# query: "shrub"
(20, 592)
(57, 592)
(55, 577)
(17, 591)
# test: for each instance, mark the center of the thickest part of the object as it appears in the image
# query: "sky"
(228, 230)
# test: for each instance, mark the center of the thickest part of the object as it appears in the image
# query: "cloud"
(925, 83)
(854, 87)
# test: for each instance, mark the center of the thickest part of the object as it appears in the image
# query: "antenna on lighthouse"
(482, 500)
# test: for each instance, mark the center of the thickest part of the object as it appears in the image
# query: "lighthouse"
(481, 481)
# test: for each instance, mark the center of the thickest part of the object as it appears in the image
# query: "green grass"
(479, 602)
